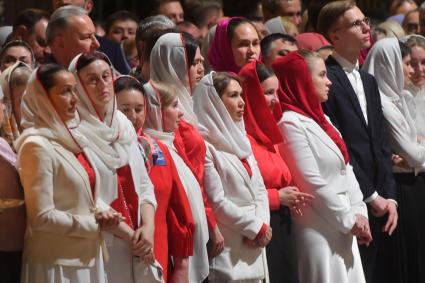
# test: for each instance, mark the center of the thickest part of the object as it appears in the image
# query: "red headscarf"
(260, 122)
(220, 54)
(299, 95)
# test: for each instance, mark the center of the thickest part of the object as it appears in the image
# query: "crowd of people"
(272, 145)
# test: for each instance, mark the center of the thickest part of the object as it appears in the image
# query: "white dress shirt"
(352, 72)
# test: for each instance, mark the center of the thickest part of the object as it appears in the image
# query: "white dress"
(327, 250)
(198, 263)
(49, 273)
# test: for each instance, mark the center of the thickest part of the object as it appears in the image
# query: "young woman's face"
(407, 69)
(320, 79)
(63, 95)
(196, 69)
(98, 82)
(270, 87)
(131, 102)
(171, 115)
(418, 64)
(245, 44)
(233, 101)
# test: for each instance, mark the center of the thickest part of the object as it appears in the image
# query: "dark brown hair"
(46, 74)
(222, 79)
(88, 58)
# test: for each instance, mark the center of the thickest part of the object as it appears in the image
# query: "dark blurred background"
(103, 8)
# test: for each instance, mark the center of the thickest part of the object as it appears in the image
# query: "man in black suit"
(354, 106)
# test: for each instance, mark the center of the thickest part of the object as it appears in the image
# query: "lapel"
(237, 164)
(369, 102)
(316, 130)
(345, 85)
(73, 162)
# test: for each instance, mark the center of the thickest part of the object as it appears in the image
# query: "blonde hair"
(392, 29)
(167, 94)
(20, 76)
(416, 40)
(289, 26)
(310, 57)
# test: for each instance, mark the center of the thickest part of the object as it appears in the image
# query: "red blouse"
(191, 147)
(174, 224)
(89, 169)
(275, 172)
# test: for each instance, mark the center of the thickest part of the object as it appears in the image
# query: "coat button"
(343, 172)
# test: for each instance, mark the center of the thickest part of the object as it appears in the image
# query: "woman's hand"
(142, 243)
(262, 242)
(361, 230)
(216, 243)
(294, 199)
(108, 219)
(180, 270)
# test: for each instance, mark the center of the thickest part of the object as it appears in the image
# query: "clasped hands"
(361, 230)
(262, 242)
(141, 242)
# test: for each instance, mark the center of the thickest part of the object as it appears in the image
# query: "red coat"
(275, 172)
(174, 224)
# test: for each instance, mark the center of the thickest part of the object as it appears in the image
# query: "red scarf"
(299, 95)
(260, 122)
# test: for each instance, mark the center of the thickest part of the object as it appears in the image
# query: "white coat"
(241, 206)
(327, 250)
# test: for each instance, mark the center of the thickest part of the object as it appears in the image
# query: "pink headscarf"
(220, 55)
(312, 41)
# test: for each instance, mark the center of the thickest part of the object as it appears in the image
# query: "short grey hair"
(59, 20)
(153, 24)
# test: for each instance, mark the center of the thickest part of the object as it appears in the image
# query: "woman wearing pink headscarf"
(235, 44)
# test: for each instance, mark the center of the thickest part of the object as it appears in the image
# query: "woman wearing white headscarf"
(385, 62)
(12, 211)
(416, 85)
(113, 139)
(171, 67)
(63, 240)
(233, 182)
(13, 82)
(158, 125)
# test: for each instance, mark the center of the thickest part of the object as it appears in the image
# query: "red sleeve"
(191, 148)
(261, 232)
(181, 226)
(274, 200)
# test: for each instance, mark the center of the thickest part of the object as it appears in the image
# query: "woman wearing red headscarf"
(262, 112)
(318, 159)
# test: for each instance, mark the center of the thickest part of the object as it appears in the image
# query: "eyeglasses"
(358, 24)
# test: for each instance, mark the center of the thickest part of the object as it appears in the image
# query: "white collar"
(346, 65)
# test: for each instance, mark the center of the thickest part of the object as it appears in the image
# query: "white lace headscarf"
(215, 123)
(169, 65)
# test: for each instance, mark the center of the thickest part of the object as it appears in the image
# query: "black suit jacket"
(115, 53)
(367, 143)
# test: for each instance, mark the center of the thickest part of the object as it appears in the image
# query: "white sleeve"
(37, 176)
(224, 209)
(307, 176)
